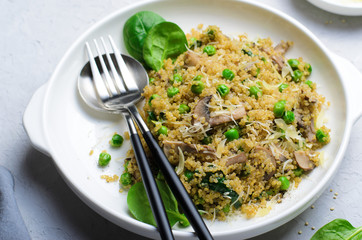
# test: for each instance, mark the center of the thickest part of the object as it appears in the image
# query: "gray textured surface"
(35, 35)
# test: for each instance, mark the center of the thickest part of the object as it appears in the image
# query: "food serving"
(240, 122)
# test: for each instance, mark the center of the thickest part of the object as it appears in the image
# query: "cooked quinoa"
(265, 153)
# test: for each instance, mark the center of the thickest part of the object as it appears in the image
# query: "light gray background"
(34, 36)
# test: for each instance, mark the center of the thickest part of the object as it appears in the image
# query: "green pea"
(197, 78)
(163, 130)
(309, 83)
(189, 175)
(279, 108)
(308, 67)
(297, 75)
(228, 74)
(206, 140)
(177, 78)
(104, 159)
(282, 87)
(255, 91)
(247, 52)
(197, 87)
(321, 136)
(284, 183)
(223, 90)
(117, 140)
(172, 91)
(298, 172)
(183, 108)
(226, 209)
(231, 134)
(209, 50)
(288, 117)
(293, 63)
(126, 179)
(151, 98)
(151, 116)
(151, 81)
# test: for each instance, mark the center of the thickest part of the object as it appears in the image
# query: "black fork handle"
(173, 180)
(149, 182)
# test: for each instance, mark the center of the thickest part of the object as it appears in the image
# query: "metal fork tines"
(109, 77)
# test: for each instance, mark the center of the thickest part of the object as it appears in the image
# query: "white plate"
(342, 7)
(59, 124)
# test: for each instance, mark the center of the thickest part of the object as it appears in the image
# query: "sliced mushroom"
(282, 47)
(239, 158)
(270, 159)
(236, 114)
(303, 160)
(202, 111)
(190, 148)
(191, 59)
(280, 50)
(310, 131)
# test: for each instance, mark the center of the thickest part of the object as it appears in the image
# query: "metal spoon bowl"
(88, 93)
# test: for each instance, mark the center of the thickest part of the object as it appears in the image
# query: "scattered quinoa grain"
(91, 152)
(312, 207)
(331, 190)
(332, 209)
(300, 232)
(109, 178)
(306, 223)
(312, 228)
(126, 135)
(334, 197)
(336, 194)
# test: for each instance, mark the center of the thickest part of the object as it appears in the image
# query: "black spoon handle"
(173, 180)
(149, 182)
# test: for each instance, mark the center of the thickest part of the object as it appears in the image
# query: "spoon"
(126, 105)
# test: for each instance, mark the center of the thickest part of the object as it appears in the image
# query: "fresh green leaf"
(138, 204)
(165, 40)
(135, 31)
(140, 208)
(338, 229)
(220, 187)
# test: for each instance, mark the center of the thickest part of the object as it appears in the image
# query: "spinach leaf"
(220, 187)
(136, 29)
(338, 229)
(140, 208)
(164, 40)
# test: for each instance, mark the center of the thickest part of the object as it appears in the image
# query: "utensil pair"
(117, 81)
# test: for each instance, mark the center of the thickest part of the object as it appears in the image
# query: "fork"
(111, 98)
(107, 88)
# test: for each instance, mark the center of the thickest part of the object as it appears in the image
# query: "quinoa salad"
(238, 120)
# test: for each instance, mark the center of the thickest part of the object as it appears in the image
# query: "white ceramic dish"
(341, 7)
(60, 125)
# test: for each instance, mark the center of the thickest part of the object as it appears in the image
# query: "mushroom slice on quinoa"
(280, 50)
(303, 160)
(269, 158)
(239, 158)
(310, 131)
(236, 114)
(191, 59)
(190, 148)
(202, 111)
